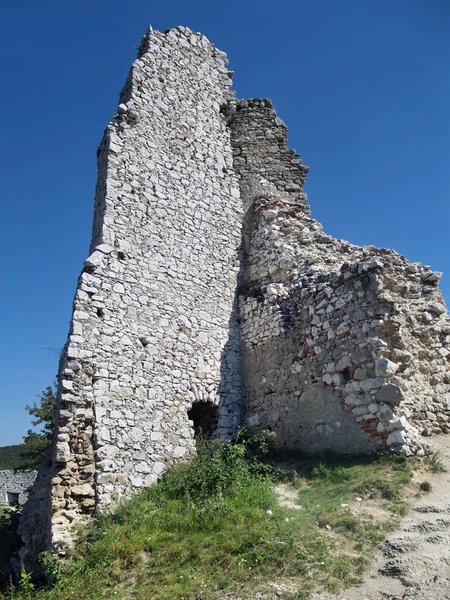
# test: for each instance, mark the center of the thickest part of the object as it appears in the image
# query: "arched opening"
(205, 416)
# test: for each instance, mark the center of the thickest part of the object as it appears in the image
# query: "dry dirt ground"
(414, 563)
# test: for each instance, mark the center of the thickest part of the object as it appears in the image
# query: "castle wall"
(345, 348)
(154, 328)
(35, 522)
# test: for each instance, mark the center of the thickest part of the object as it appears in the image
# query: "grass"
(216, 526)
(434, 462)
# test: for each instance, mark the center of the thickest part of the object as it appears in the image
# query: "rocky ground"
(415, 561)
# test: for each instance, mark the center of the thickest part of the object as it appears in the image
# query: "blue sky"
(363, 86)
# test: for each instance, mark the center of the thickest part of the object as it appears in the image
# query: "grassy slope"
(216, 526)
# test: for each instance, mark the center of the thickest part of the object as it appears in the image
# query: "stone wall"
(344, 347)
(154, 328)
(14, 483)
(35, 523)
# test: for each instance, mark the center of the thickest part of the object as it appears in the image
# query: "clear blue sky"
(363, 85)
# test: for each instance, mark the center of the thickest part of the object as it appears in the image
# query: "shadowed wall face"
(154, 327)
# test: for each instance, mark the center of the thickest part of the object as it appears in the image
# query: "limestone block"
(370, 385)
(396, 438)
(397, 424)
(95, 259)
(62, 452)
(385, 414)
(385, 367)
(105, 248)
(82, 490)
(390, 393)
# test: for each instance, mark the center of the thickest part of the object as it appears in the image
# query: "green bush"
(426, 486)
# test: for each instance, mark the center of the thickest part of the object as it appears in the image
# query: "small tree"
(36, 443)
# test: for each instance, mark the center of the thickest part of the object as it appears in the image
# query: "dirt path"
(415, 561)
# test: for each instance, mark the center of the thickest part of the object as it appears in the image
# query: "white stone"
(95, 259)
(385, 367)
(397, 423)
(103, 434)
(179, 452)
(396, 438)
(354, 400)
(105, 248)
(62, 452)
(270, 215)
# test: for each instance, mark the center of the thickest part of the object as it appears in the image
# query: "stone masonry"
(154, 326)
(211, 298)
(14, 486)
(344, 348)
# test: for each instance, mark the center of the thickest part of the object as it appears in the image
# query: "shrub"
(426, 486)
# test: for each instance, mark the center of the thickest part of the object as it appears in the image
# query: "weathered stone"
(390, 393)
(396, 438)
(82, 490)
(62, 452)
(385, 367)
(432, 277)
(354, 400)
(397, 424)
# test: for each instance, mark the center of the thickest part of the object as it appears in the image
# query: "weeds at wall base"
(217, 526)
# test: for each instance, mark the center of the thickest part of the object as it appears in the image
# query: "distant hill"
(11, 457)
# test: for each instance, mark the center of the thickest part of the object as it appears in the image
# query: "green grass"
(434, 462)
(215, 526)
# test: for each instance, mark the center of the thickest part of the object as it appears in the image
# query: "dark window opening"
(121, 255)
(13, 498)
(100, 313)
(205, 416)
(346, 374)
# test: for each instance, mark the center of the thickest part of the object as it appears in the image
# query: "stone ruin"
(212, 299)
(14, 486)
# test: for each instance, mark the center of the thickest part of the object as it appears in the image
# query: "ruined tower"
(211, 298)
